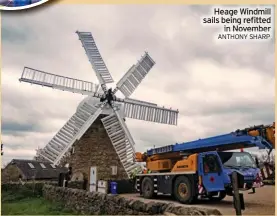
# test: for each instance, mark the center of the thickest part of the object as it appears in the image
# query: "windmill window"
(42, 165)
(31, 165)
(114, 170)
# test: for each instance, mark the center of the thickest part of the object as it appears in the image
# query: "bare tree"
(265, 157)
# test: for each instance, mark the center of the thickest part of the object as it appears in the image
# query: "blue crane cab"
(216, 169)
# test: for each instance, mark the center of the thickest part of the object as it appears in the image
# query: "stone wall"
(83, 202)
(95, 149)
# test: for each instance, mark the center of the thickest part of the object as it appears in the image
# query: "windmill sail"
(37, 77)
(149, 112)
(95, 58)
(72, 131)
(130, 81)
(122, 140)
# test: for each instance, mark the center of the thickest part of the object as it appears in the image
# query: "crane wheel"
(147, 188)
(183, 190)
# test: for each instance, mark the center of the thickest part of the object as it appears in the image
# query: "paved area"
(260, 203)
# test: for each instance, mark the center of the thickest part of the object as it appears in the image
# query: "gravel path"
(260, 203)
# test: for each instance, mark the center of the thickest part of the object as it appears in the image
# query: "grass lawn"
(17, 204)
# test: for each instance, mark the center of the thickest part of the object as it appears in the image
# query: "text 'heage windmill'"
(90, 109)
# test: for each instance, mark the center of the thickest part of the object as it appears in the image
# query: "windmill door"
(93, 179)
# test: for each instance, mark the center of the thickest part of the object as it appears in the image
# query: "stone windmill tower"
(101, 105)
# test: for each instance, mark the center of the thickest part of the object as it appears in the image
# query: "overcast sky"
(218, 87)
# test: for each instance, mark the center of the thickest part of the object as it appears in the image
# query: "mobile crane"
(203, 168)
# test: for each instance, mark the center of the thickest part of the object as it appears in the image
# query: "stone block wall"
(83, 202)
(95, 149)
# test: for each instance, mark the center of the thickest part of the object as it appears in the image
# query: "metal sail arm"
(134, 76)
(149, 112)
(121, 139)
(42, 78)
(95, 59)
(71, 132)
